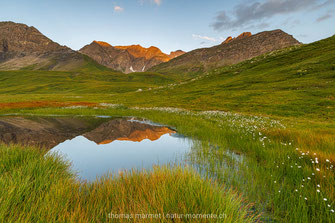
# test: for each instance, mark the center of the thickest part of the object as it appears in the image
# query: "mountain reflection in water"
(47, 132)
(97, 146)
(126, 130)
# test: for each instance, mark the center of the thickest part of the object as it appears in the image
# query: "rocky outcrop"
(228, 40)
(231, 51)
(241, 36)
(127, 59)
(23, 46)
(175, 54)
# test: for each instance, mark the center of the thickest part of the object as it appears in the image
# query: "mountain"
(294, 82)
(231, 51)
(24, 47)
(127, 59)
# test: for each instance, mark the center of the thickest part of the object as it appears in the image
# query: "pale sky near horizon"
(169, 24)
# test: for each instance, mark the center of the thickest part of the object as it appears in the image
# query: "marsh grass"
(258, 157)
(39, 188)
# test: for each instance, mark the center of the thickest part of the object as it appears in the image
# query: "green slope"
(293, 82)
(87, 80)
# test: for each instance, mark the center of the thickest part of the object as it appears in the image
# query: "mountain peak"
(101, 43)
(176, 53)
(132, 58)
(231, 51)
(241, 36)
(148, 53)
(229, 38)
(244, 35)
(22, 46)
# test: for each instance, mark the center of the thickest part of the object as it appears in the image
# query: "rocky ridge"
(127, 59)
(231, 51)
(23, 46)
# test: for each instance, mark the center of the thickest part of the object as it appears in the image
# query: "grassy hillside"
(293, 82)
(76, 82)
(296, 82)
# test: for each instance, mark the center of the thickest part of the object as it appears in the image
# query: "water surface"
(97, 146)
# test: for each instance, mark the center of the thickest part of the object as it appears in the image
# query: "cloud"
(324, 17)
(255, 13)
(204, 38)
(118, 9)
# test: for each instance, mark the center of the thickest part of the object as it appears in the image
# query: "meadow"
(265, 130)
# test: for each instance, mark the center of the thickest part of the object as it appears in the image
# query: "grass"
(44, 190)
(58, 82)
(239, 153)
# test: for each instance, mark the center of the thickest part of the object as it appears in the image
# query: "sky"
(169, 24)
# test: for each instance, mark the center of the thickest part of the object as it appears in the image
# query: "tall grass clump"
(35, 187)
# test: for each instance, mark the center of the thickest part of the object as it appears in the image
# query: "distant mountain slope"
(134, 58)
(24, 47)
(231, 51)
(294, 82)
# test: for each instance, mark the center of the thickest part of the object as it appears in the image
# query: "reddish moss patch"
(39, 104)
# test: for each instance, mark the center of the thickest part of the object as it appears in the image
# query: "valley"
(259, 110)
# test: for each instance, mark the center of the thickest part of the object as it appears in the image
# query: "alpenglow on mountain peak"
(132, 58)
